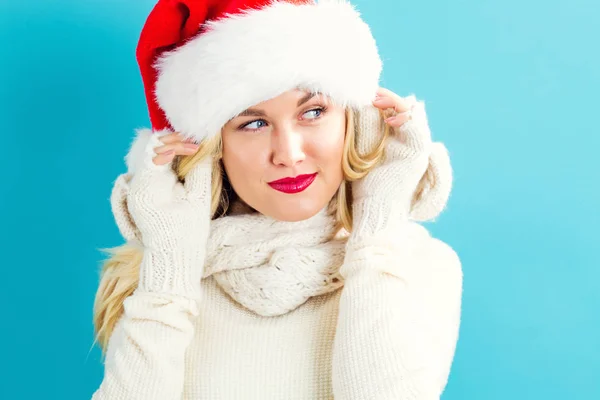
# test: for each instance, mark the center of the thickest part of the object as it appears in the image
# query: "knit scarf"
(271, 267)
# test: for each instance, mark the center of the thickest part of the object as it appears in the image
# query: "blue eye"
(316, 113)
(259, 123)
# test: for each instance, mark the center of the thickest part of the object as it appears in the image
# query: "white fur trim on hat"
(251, 57)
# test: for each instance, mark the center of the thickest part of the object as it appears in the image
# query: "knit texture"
(413, 143)
(172, 219)
(389, 333)
(271, 267)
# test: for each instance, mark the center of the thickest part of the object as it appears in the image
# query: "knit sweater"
(389, 332)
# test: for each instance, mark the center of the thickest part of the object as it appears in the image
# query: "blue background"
(511, 87)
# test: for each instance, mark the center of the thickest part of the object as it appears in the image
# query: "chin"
(293, 207)
(299, 206)
(296, 215)
(294, 210)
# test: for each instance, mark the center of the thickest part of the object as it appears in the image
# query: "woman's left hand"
(400, 107)
(386, 193)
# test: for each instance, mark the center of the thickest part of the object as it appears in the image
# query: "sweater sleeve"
(145, 356)
(398, 320)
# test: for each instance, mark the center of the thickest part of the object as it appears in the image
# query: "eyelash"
(322, 109)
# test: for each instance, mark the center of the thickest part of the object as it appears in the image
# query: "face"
(283, 157)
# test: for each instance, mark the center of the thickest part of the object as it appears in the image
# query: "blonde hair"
(120, 272)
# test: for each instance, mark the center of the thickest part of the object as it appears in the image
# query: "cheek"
(328, 145)
(243, 160)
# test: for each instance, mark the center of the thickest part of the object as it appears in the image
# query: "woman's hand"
(384, 197)
(400, 107)
(172, 144)
(172, 217)
(402, 288)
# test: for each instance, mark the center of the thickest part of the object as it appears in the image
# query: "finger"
(137, 154)
(154, 181)
(171, 137)
(198, 181)
(398, 120)
(383, 92)
(396, 103)
(164, 158)
(190, 140)
(179, 148)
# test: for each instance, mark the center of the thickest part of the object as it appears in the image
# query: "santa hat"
(205, 61)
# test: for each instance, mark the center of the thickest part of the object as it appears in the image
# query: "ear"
(433, 191)
(118, 204)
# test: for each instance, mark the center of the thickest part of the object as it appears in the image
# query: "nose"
(287, 147)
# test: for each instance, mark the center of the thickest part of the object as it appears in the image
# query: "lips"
(293, 185)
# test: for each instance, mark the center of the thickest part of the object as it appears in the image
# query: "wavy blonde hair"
(119, 273)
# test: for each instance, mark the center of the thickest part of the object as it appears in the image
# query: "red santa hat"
(205, 61)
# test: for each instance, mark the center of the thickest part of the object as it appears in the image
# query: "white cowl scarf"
(271, 267)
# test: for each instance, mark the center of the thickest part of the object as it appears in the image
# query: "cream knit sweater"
(397, 323)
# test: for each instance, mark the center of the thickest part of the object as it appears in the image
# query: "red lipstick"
(293, 185)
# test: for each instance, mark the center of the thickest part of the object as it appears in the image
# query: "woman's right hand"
(173, 218)
(172, 144)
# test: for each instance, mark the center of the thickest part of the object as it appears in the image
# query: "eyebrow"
(250, 112)
(306, 98)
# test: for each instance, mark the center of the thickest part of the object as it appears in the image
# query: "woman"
(270, 215)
